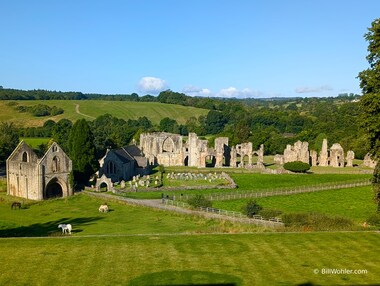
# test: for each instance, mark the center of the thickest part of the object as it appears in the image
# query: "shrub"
(199, 201)
(374, 220)
(251, 208)
(316, 221)
(269, 213)
(297, 167)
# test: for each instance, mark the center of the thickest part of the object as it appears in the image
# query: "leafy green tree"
(198, 201)
(82, 152)
(215, 122)
(60, 133)
(370, 102)
(251, 208)
(169, 125)
(8, 140)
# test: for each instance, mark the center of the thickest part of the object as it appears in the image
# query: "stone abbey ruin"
(171, 150)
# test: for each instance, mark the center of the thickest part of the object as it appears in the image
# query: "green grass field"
(133, 245)
(217, 259)
(355, 203)
(261, 182)
(90, 109)
(34, 142)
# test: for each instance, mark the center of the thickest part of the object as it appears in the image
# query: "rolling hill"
(90, 109)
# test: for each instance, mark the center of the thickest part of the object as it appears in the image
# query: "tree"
(82, 152)
(61, 131)
(8, 140)
(215, 122)
(169, 125)
(370, 102)
(199, 201)
(251, 208)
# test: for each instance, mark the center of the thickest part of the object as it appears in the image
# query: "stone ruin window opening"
(55, 166)
(55, 148)
(25, 157)
(186, 161)
(210, 161)
(168, 146)
(255, 158)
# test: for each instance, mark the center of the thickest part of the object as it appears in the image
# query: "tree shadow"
(49, 228)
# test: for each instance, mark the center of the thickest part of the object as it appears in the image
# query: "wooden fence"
(280, 191)
(231, 215)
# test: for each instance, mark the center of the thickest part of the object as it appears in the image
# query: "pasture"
(218, 259)
(355, 203)
(253, 182)
(90, 109)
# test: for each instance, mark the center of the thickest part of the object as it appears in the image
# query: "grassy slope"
(355, 203)
(243, 259)
(93, 108)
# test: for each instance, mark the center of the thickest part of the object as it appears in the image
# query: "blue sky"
(236, 48)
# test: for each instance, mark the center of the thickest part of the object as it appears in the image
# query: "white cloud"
(234, 92)
(152, 85)
(196, 91)
(306, 89)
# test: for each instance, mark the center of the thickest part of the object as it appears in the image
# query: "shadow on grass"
(184, 278)
(49, 228)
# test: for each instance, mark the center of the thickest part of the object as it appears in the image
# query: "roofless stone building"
(36, 178)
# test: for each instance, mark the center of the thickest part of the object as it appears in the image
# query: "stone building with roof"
(123, 163)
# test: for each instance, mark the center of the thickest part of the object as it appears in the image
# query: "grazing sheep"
(66, 228)
(104, 209)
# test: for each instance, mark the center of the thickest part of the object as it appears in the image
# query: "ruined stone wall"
(297, 152)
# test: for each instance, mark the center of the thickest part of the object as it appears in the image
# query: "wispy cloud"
(240, 93)
(308, 89)
(152, 85)
(196, 91)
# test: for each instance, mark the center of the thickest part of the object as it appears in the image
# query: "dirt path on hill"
(80, 113)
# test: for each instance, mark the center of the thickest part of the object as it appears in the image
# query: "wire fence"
(280, 191)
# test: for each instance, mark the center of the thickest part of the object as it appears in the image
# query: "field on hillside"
(217, 259)
(90, 109)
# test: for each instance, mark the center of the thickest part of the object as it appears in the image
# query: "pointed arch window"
(55, 164)
(25, 157)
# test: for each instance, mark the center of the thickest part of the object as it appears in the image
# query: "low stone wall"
(231, 185)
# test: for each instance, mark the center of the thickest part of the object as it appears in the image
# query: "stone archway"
(104, 183)
(53, 189)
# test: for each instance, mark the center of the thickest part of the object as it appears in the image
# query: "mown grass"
(260, 182)
(42, 219)
(243, 259)
(93, 108)
(354, 203)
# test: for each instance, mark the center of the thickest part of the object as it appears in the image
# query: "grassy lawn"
(93, 108)
(237, 259)
(261, 182)
(42, 219)
(354, 203)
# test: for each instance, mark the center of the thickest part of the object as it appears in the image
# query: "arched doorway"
(103, 187)
(210, 161)
(53, 190)
(186, 161)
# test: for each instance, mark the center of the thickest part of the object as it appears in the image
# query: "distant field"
(35, 141)
(90, 109)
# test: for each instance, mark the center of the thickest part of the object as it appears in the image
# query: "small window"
(25, 157)
(55, 148)
(55, 167)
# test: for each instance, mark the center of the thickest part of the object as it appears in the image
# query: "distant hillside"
(90, 109)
